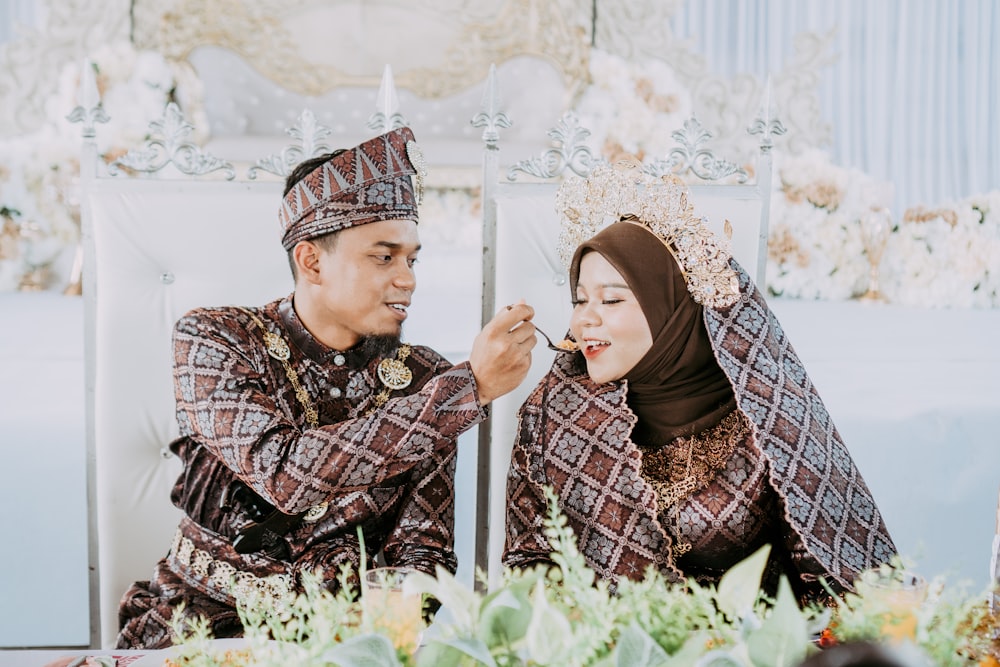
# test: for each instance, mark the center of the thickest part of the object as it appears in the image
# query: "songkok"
(367, 183)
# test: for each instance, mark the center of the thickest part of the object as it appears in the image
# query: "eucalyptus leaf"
(783, 637)
(461, 601)
(689, 653)
(369, 650)
(739, 587)
(549, 633)
(637, 649)
(505, 615)
(728, 657)
(455, 652)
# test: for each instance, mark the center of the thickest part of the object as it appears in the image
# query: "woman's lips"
(591, 351)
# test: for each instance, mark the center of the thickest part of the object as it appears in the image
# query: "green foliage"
(565, 616)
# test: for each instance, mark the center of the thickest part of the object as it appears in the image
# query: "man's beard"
(379, 345)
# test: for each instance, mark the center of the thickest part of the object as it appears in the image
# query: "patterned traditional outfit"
(274, 485)
(715, 444)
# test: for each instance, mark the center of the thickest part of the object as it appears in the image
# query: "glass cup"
(391, 610)
(901, 595)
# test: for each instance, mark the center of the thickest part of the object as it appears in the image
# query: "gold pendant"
(276, 346)
(315, 513)
(394, 374)
(682, 548)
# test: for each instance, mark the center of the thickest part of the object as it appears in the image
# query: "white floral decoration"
(631, 108)
(39, 172)
(944, 257)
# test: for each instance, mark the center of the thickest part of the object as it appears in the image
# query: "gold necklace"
(677, 471)
(393, 373)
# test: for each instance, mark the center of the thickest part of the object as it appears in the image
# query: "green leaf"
(783, 637)
(637, 649)
(461, 601)
(369, 650)
(454, 652)
(549, 633)
(689, 653)
(506, 613)
(739, 587)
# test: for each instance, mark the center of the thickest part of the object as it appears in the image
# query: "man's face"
(366, 281)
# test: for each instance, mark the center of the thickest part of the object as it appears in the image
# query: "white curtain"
(15, 14)
(913, 94)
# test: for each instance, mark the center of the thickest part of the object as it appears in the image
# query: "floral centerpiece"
(566, 617)
(39, 172)
(942, 257)
(947, 256)
(815, 239)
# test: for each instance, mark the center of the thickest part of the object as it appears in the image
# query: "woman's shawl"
(826, 500)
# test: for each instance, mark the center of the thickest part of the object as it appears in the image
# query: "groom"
(306, 419)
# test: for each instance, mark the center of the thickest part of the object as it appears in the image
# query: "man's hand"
(501, 353)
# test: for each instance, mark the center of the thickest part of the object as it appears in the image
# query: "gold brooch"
(315, 513)
(394, 374)
(276, 346)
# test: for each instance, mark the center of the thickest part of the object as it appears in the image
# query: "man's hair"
(327, 241)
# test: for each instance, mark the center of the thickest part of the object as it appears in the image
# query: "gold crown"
(661, 204)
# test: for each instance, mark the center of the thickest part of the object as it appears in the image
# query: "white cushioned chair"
(157, 249)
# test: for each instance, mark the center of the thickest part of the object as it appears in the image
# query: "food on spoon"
(568, 344)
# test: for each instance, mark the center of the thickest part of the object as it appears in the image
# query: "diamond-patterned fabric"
(391, 472)
(367, 183)
(792, 484)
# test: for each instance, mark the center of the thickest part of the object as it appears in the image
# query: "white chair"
(153, 250)
(523, 219)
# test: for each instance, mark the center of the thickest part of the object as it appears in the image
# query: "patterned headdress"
(368, 183)
(613, 192)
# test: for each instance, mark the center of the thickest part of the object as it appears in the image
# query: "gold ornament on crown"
(613, 192)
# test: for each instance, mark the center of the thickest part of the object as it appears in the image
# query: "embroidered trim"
(222, 576)
(687, 465)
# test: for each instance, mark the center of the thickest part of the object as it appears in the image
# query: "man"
(306, 418)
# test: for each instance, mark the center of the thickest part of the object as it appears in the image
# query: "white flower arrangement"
(946, 257)
(632, 108)
(39, 207)
(939, 258)
(815, 242)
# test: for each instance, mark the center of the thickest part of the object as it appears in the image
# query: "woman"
(684, 434)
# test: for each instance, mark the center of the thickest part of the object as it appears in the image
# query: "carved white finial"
(89, 96)
(765, 125)
(386, 116)
(490, 118)
(388, 102)
(89, 109)
(767, 100)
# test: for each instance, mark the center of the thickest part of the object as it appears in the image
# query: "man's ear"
(307, 255)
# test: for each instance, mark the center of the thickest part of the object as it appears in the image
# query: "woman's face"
(607, 321)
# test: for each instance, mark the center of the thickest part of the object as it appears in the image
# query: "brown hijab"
(677, 388)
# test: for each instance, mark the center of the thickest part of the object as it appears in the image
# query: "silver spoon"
(571, 345)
